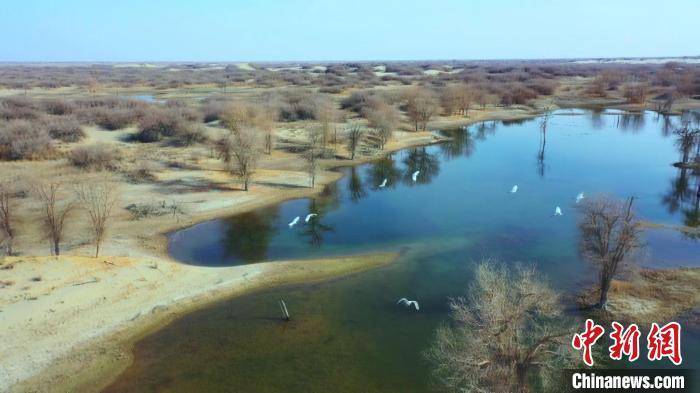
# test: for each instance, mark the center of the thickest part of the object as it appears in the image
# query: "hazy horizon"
(317, 31)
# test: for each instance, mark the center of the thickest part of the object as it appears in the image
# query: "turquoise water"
(347, 334)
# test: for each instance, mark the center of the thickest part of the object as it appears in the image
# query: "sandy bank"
(80, 315)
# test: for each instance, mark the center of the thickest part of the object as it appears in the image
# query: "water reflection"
(459, 143)
(248, 235)
(355, 187)
(631, 121)
(315, 230)
(384, 168)
(596, 117)
(419, 159)
(485, 129)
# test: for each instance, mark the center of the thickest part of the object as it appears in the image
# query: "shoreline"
(109, 352)
(94, 363)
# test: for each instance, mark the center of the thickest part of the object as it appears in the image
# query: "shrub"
(297, 105)
(94, 157)
(24, 140)
(113, 119)
(13, 108)
(64, 128)
(212, 109)
(158, 124)
(58, 106)
(189, 135)
(357, 101)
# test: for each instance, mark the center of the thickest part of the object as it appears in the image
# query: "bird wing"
(402, 300)
(415, 303)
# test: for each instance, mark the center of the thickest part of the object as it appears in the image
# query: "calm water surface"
(347, 334)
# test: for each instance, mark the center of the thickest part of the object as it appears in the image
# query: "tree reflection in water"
(631, 121)
(418, 159)
(384, 168)
(248, 235)
(355, 186)
(459, 143)
(314, 230)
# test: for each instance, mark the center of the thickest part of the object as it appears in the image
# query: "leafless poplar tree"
(312, 153)
(507, 333)
(326, 114)
(241, 152)
(354, 135)
(421, 106)
(99, 199)
(385, 119)
(54, 210)
(7, 210)
(610, 233)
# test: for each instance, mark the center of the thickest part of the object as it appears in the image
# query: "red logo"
(662, 342)
(625, 342)
(665, 342)
(584, 341)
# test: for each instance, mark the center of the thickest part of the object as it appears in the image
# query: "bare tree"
(8, 191)
(456, 99)
(354, 135)
(510, 331)
(54, 209)
(311, 154)
(326, 114)
(421, 106)
(240, 152)
(610, 233)
(98, 198)
(385, 119)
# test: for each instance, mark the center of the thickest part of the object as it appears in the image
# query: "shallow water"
(347, 334)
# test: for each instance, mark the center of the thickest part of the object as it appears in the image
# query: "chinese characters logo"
(662, 342)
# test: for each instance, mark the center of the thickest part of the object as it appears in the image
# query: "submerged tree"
(544, 123)
(610, 233)
(507, 334)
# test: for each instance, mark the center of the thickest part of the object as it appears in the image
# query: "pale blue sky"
(271, 30)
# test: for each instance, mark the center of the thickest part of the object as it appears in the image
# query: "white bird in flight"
(579, 197)
(383, 184)
(409, 303)
(294, 221)
(414, 176)
(557, 211)
(514, 189)
(308, 216)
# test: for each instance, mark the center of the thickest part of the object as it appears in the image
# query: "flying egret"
(308, 216)
(514, 189)
(557, 211)
(408, 303)
(294, 221)
(414, 176)
(579, 197)
(383, 184)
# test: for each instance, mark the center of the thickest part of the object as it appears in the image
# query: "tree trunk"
(56, 249)
(520, 374)
(604, 287)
